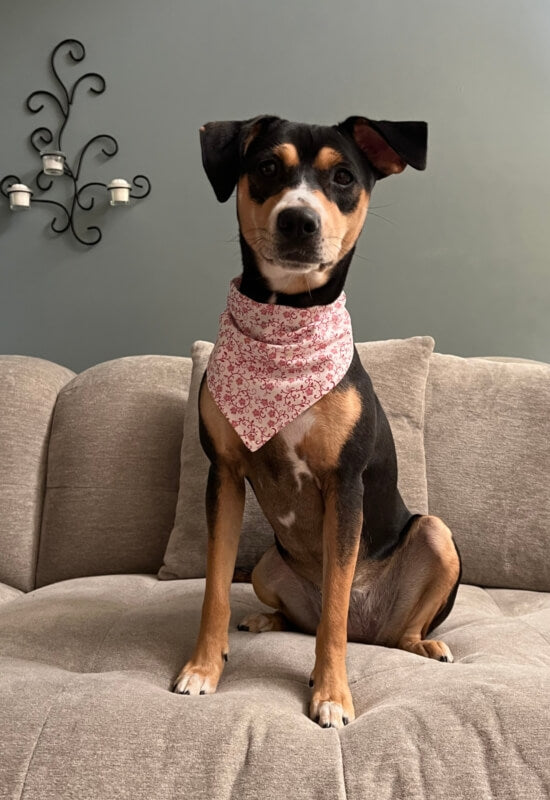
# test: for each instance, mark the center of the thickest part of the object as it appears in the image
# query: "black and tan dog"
(350, 561)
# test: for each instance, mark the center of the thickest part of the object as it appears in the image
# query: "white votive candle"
(20, 197)
(120, 192)
(53, 162)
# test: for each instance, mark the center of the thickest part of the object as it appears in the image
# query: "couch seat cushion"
(86, 711)
(8, 593)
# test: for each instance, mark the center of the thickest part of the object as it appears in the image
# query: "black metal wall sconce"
(55, 163)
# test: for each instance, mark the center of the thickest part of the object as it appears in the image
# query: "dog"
(350, 562)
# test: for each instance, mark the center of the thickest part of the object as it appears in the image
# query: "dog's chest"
(290, 473)
(287, 479)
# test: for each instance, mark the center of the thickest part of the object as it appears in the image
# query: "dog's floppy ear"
(389, 146)
(223, 146)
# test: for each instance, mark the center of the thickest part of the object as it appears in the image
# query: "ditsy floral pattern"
(271, 362)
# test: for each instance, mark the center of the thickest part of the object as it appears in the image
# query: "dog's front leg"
(331, 703)
(225, 497)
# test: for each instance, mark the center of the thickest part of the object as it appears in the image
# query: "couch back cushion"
(113, 468)
(398, 369)
(487, 441)
(28, 391)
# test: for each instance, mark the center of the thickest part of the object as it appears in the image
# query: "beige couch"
(91, 639)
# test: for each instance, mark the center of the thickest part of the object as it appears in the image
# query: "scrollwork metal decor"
(46, 144)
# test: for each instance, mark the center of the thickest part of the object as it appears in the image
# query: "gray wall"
(460, 252)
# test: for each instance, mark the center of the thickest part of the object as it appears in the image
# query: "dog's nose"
(298, 222)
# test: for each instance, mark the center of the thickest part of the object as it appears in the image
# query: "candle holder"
(20, 197)
(54, 160)
(120, 192)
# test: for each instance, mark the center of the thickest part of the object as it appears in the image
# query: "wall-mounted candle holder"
(54, 160)
(19, 196)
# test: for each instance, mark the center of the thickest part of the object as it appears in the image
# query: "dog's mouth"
(297, 260)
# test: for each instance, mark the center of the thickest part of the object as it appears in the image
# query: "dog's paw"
(431, 648)
(260, 623)
(332, 711)
(196, 679)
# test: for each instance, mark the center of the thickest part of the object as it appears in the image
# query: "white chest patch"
(292, 434)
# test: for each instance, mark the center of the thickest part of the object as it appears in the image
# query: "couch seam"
(43, 489)
(343, 771)
(54, 701)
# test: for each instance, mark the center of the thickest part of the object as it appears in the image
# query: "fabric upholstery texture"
(28, 391)
(87, 663)
(487, 440)
(86, 708)
(8, 592)
(113, 468)
(398, 369)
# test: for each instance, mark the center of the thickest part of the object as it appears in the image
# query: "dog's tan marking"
(226, 440)
(262, 622)
(331, 695)
(342, 230)
(288, 154)
(254, 217)
(336, 415)
(327, 158)
(251, 136)
(355, 222)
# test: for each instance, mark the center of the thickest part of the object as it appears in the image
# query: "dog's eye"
(343, 177)
(268, 167)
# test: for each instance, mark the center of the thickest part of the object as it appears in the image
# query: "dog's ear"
(388, 146)
(223, 146)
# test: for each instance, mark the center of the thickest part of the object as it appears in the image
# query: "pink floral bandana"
(271, 362)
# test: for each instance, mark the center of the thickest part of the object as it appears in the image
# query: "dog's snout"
(298, 222)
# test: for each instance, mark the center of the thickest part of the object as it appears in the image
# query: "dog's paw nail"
(202, 691)
(311, 682)
(345, 720)
(226, 657)
(327, 725)
(443, 658)
(186, 692)
(243, 628)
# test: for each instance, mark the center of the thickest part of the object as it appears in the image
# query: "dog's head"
(303, 190)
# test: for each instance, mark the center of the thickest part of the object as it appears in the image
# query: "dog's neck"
(255, 286)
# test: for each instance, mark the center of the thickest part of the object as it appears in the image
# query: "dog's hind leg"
(425, 573)
(298, 602)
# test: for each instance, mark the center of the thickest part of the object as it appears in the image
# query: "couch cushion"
(398, 368)
(8, 593)
(28, 391)
(86, 711)
(113, 468)
(487, 439)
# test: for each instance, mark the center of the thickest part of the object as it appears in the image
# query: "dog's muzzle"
(298, 236)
